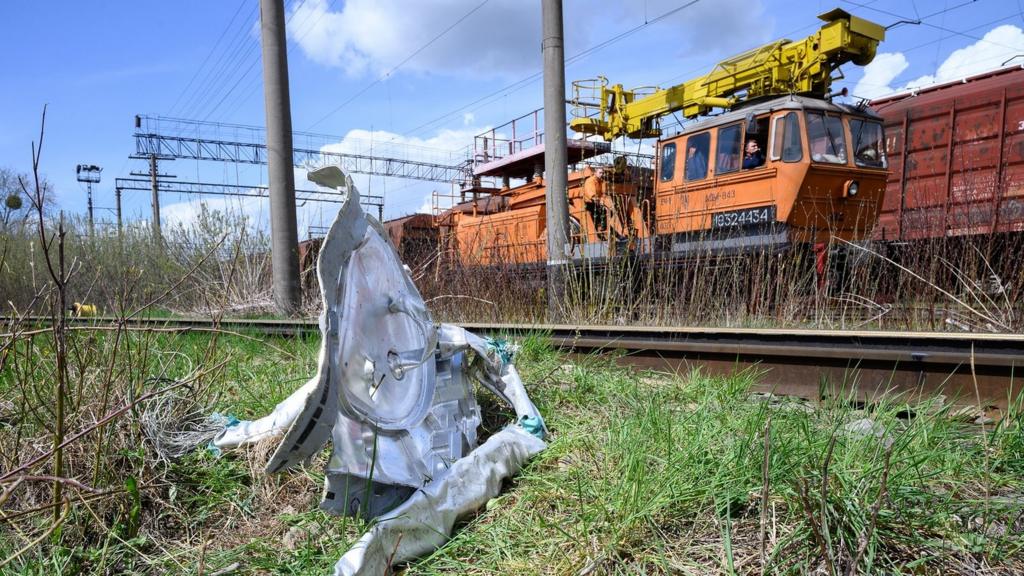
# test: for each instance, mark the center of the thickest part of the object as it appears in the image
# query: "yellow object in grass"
(83, 310)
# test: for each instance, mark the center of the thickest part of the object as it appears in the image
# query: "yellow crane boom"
(782, 67)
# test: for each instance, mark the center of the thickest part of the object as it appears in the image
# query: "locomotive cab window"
(868, 143)
(727, 157)
(827, 138)
(697, 148)
(786, 139)
(668, 161)
(755, 144)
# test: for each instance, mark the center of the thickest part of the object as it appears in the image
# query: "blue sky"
(97, 64)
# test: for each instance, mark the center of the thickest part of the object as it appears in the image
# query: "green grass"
(664, 475)
(645, 474)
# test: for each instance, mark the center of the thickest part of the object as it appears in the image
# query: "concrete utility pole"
(155, 201)
(284, 230)
(555, 176)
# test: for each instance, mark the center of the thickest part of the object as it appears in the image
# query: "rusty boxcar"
(956, 158)
(414, 237)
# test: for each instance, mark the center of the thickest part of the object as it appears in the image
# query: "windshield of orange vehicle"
(868, 143)
(827, 138)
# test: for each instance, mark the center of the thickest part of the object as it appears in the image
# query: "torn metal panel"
(424, 522)
(394, 395)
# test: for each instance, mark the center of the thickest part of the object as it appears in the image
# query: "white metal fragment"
(393, 394)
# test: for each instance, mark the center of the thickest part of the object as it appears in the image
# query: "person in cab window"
(752, 155)
(696, 164)
(868, 156)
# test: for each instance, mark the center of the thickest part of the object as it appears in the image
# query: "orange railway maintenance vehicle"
(819, 169)
(608, 211)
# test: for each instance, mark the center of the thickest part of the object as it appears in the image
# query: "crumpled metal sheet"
(424, 522)
(393, 393)
(273, 424)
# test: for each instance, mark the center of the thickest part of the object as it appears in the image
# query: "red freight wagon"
(956, 158)
(415, 237)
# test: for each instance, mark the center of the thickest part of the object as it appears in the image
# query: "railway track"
(974, 368)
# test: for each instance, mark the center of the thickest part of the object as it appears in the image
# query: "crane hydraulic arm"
(782, 67)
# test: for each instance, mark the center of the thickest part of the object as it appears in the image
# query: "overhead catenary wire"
(920, 19)
(212, 51)
(802, 29)
(523, 82)
(399, 65)
(935, 26)
(515, 86)
(249, 91)
(247, 62)
(223, 73)
(230, 91)
(233, 57)
(935, 41)
(216, 69)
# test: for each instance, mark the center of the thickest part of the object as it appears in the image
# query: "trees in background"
(16, 206)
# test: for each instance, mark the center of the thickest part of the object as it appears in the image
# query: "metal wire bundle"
(175, 424)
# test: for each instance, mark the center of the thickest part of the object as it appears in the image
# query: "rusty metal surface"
(864, 381)
(415, 237)
(308, 252)
(956, 158)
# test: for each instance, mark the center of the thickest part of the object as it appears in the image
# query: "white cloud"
(468, 118)
(447, 144)
(879, 74)
(402, 197)
(504, 36)
(447, 147)
(188, 213)
(376, 35)
(311, 217)
(254, 210)
(427, 207)
(997, 46)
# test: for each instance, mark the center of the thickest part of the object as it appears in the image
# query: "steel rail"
(804, 362)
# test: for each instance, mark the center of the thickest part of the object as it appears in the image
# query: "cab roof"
(791, 102)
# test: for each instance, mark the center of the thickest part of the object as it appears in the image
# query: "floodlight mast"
(89, 174)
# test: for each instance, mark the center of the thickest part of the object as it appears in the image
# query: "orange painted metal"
(807, 196)
(517, 235)
(815, 191)
(800, 199)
